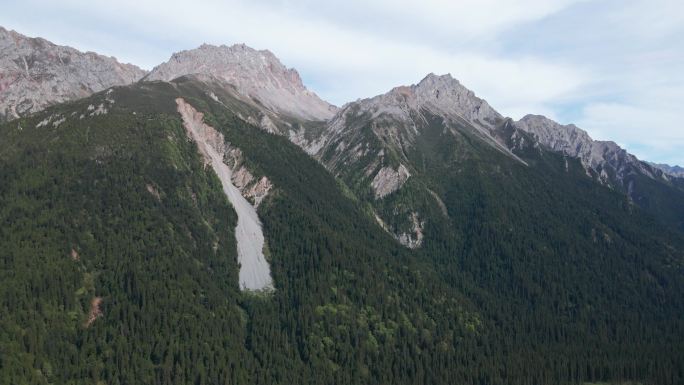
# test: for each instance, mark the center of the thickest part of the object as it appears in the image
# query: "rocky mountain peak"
(442, 95)
(35, 73)
(447, 96)
(608, 160)
(675, 171)
(400, 115)
(568, 139)
(257, 74)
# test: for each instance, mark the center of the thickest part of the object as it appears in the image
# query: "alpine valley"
(213, 221)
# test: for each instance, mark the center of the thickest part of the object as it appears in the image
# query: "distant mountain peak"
(432, 80)
(35, 73)
(675, 171)
(607, 159)
(257, 74)
(442, 95)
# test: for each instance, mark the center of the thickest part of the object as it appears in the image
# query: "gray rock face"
(442, 96)
(256, 74)
(35, 73)
(255, 272)
(446, 96)
(374, 136)
(398, 117)
(608, 160)
(399, 114)
(675, 171)
(388, 180)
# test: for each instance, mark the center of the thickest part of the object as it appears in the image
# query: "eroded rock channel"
(255, 272)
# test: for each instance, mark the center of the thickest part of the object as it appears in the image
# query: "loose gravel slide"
(255, 272)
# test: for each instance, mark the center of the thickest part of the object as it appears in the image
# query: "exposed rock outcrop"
(35, 73)
(399, 116)
(252, 188)
(388, 180)
(95, 311)
(608, 161)
(255, 272)
(413, 239)
(256, 74)
(675, 171)
(442, 95)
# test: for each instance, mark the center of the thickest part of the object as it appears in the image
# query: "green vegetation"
(533, 278)
(573, 281)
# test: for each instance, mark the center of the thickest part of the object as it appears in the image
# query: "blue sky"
(613, 67)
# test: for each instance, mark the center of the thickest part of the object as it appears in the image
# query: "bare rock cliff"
(256, 74)
(35, 73)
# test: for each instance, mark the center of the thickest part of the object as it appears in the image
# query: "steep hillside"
(35, 73)
(651, 188)
(374, 146)
(537, 236)
(120, 262)
(377, 146)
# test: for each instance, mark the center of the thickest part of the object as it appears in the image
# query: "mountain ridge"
(676, 170)
(37, 73)
(575, 142)
(256, 73)
(281, 104)
(434, 257)
(241, 65)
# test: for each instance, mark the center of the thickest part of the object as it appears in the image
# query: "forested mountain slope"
(658, 191)
(118, 261)
(377, 145)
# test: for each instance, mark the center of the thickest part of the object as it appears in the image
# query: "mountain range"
(214, 221)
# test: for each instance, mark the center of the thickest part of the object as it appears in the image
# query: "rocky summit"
(610, 162)
(256, 74)
(675, 171)
(35, 73)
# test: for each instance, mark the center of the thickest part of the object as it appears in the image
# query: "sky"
(613, 67)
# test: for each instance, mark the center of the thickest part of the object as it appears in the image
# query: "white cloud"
(329, 47)
(651, 19)
(457, 20)
(605, 59)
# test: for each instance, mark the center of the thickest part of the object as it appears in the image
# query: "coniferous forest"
(118, 263)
